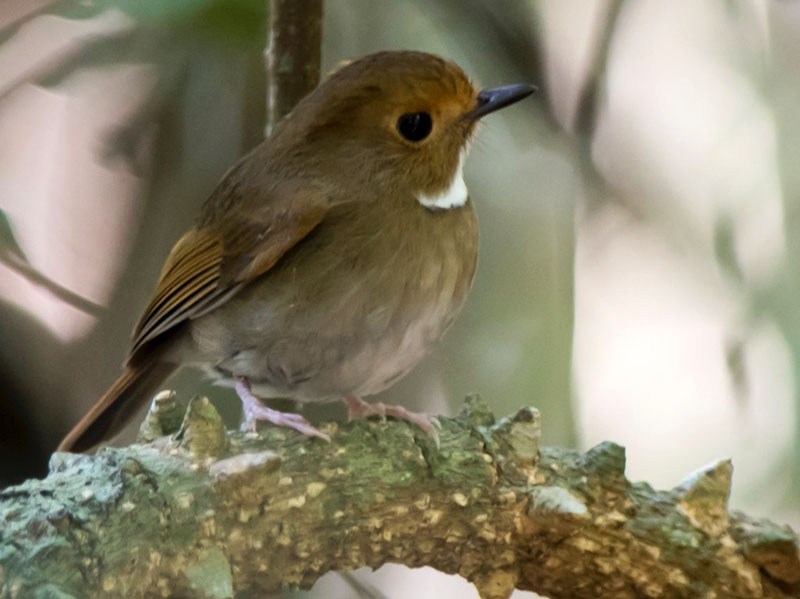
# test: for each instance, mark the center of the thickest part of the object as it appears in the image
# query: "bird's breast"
(352, 308)
(433, 272)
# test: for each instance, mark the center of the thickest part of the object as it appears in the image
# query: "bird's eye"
(415, 126)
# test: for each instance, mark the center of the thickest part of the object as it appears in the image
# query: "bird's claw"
(357, 408)
(254, 411)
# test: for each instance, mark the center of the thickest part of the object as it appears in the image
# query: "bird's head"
(402, 120)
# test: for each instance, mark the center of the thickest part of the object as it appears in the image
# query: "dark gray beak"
(496, 98)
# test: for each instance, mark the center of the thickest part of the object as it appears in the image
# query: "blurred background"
(638, 278)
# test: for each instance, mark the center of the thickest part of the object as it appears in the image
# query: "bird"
(330, 259)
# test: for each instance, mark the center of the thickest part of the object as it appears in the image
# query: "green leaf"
(8, 241)
(141, 10)
(230, 21)
(238, 21)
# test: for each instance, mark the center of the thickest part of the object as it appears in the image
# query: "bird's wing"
(210, 263)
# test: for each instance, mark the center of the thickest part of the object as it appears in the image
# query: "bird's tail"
(112, 411)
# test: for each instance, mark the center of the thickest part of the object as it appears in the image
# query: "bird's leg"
(253, 411)
(357, 408)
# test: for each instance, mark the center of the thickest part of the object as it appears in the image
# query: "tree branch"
(293, 54)
(208, 514)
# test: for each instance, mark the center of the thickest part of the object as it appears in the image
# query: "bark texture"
(293, 54)
(209, 514)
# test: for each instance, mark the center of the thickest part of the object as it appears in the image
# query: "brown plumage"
(319, 269)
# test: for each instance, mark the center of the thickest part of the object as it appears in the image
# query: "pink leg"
(254, 411)
(357, 408)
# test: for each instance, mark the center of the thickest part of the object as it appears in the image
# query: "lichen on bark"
(200, 512)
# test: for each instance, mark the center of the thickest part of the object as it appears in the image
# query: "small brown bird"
(330, 259)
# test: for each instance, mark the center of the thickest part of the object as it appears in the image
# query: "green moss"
(211, 575)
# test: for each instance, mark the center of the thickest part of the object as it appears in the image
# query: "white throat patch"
(456, 193)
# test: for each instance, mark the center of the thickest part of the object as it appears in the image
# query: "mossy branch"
(205, 513)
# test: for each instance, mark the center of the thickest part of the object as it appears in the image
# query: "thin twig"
(293, 54)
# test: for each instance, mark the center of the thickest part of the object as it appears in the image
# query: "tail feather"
(112, 411)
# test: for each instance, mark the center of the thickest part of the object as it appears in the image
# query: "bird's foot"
(357, 408)
(253, 411)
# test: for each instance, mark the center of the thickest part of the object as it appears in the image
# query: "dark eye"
(415, 126)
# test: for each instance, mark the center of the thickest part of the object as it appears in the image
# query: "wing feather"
(209, 264)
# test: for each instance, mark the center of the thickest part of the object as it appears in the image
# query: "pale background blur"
(638, 277)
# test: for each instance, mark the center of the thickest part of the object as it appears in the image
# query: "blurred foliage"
(194, 47)
(234, 21)
(9, 246)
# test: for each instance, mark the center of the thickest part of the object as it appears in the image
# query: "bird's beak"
(496, 98)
